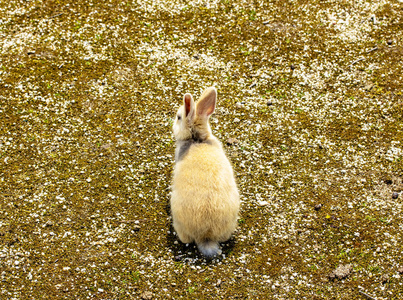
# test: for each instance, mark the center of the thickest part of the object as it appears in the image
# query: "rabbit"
(205, 198)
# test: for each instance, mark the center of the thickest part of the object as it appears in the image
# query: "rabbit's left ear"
(189, 105)
(206, 104)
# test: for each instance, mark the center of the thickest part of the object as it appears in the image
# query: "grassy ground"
(311, 92)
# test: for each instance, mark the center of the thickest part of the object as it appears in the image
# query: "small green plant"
(374, 269)
(244, 50)
(170, 121)
(372, 219)
(342, 254)
(179, 265)
(252, 15)
(384, 220)
(135, 275)
(77, 25)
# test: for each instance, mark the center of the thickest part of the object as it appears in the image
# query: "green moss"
(92, 149)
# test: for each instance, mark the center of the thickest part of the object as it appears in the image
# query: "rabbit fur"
(205, 199)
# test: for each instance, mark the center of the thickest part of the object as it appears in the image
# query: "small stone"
(106, 146)
(341, 272)
(390, 42)
(385, 278)
(373, 19)
(292, 67)
(147, 295)
(89, 179)
(368, 87)
(231, 141)
(269, 103)
(395, 195)
(236, 120)
(48, 224)
(400, 270)
(238, 105)
(136, 228)
(318, 207)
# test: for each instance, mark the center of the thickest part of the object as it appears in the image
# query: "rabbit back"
(205, 199)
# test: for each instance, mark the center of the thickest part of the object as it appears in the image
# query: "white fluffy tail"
(209, 248)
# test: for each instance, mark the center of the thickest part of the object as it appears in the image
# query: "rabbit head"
(191, 122)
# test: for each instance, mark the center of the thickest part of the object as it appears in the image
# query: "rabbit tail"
(209, 248)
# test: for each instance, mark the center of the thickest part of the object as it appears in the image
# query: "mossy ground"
(312, 91)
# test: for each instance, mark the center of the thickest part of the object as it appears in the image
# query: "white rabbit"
(205, 199)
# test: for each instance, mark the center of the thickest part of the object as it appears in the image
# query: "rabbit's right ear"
(189, 105)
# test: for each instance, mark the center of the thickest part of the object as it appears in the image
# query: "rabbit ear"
(189, 105)
(206, 104)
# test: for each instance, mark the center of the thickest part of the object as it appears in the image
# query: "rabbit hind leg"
(183, 236)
